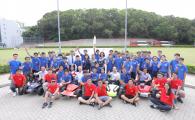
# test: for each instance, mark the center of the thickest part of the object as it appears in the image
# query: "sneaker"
(153, 106)
(109, 105)
(179, 100)
(14, 94)
(162, 110)
(124, 102)
(44, 105)
(99, 107)
(134, 104)
(92, 104)
(50, 105)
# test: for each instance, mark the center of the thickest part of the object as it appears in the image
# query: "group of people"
(93, 73)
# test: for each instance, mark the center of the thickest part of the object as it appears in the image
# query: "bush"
(191, 69)
(4, 69)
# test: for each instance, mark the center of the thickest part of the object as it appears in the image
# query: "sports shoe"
(92, 104)
(109, 105)
(99, 107)
(179, 100)
(153, 106)
(44, 105)
(14, 94)
(50, 104)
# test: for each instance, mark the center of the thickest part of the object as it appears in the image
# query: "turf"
(187, 53)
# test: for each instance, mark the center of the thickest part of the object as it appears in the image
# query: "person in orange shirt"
(101, 95)
(18, 81)
(51, 94)
(131, 93)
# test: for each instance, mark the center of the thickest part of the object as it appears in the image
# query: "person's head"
(110, 56)
(114, 69)
(159, 52)
(163, 58)
(130, 82)
(181, 60)
(27, 59)
(128, 58)
(42, 68)
(93, 56)
(61, 67)
(102, 70)
(43, 54)
(66, 72)
(72, 53)
(147, 60)
(86, 56)
(174, 75)
(15, 56)
(97, 51)
(110, 51)
(95, 70)
(100, 83)
(168, 88)
(145, 70)
(177, 56)
(96, 64)
(72, 67)
(89, 81)
(85, 51)
(49, 71)
(53, 81)
(123, 70)
(18, 71)
(36, 54)
(79, 68)
(154, 58)
(77, 57)
(138, 53)
(159, 75)
(102, 54)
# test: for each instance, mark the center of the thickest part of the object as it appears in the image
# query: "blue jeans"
(160, 105)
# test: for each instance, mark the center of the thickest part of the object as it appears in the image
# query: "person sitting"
(18, 81)
(164, 100)
(103, 76)
(143, 77)
(51, 94)
(66, 79)
(94, 76)
(131, 93)
(47, 79)
(88, 93)
(114, 76)
(101, 95)
(160, 81)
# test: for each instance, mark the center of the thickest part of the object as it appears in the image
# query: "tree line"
(110, 23)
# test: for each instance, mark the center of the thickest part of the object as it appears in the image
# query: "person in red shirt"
(18, 81)
(131, 93)
(165, 101)
(160, 81)
(47, 79)
(101, 95)
(88, 95)
(51, 94)
(176, 87)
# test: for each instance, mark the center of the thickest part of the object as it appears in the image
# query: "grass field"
(187, 53)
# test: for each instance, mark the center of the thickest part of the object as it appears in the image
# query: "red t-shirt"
(131, 90)
(89, 89)
(175, 83)
(101, 91)
(19, 80)
(52, 88)
(167, 99)
(161, 82)
(49, 77)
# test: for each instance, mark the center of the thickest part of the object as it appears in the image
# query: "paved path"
(28, 107)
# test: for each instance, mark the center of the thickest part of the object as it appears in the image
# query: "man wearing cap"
(51, 94)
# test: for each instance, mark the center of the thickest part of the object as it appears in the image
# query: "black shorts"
(128, 96)
(85, 97)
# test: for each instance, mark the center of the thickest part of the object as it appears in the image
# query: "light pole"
(126, 27)
(59, 40)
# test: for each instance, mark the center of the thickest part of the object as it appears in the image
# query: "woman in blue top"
(110, 63)
(103, 76)
(154, 66)
(164, 66)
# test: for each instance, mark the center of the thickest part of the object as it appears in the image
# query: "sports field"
(187, 53)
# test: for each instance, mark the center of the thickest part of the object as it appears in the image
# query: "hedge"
(5, 69)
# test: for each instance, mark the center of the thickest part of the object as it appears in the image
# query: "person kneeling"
(131, 93)
(88, 95)
(101, 95)
(51, 94)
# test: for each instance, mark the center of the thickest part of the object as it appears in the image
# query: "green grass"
(187, 53)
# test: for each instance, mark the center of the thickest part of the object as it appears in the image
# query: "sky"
(30, 11)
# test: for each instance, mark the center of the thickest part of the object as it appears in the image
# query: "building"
(10, 34)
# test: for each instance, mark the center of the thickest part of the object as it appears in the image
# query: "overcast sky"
(29, 11)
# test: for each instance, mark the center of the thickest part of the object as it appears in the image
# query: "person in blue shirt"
(127, 64)
(146, 64)
(110, 63)
(14, 64)
(83, 55)
(118, 62)
(44, 60)
(27, 67)
(60, 74)
(134, 66)
(164, 66)
(154, 66)
(124, 77)
(159, 52)
(36, 63)
(97, 54)
(174, 62)
(77, 62)
(55, 63)
(64, 63)
(181, 70)
(66, 79)
(103, 76)
(94, 76)
(86, 63)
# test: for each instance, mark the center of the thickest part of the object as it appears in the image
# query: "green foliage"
(4, 69)
(109, 23)
(191, 69)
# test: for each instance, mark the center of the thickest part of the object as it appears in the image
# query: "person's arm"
(27, 52)
(92, 95)
(57, 90)
(79, 51)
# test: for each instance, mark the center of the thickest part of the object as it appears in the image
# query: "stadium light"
(126, 28)
(59, 40)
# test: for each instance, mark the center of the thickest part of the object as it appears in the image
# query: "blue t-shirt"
(173, 65)
(94, 76)
(145, 65)
(125, 77)
(97, 56)
(43, 61)
(27, 66)
(36, 63)
(154, 66)
(50, 61)
(14, 65)
(110, 64)
(182, 69)
(134, 65)
(103, 76)
(59, 76)
(118, 63)
(164, 67)
(67, 78)
(78, 63)
(127, 65)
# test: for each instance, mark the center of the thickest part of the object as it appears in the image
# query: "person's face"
(27, 59)
(159, 53)
(53, 82)
(93, 56)
(102, 71)
(94, 70)
(97, 51)
(159, 76)
(96, 65)
(85, 51)
(114, 69)
(50, 72)
(80, 68)
(18, 72)
(181, 61)
(130, 82)
(174, 75)
(77, 58)
(100, 83)
(89, 81)
(145, 70)
(35, 55)
(66, 73)
(42, 68)
(166, 86)
(15, 57)
(163, 58)
(147, 61)
(61, 68)
(176, 57)
(155, 59)
(43, 55)
(124, 70)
